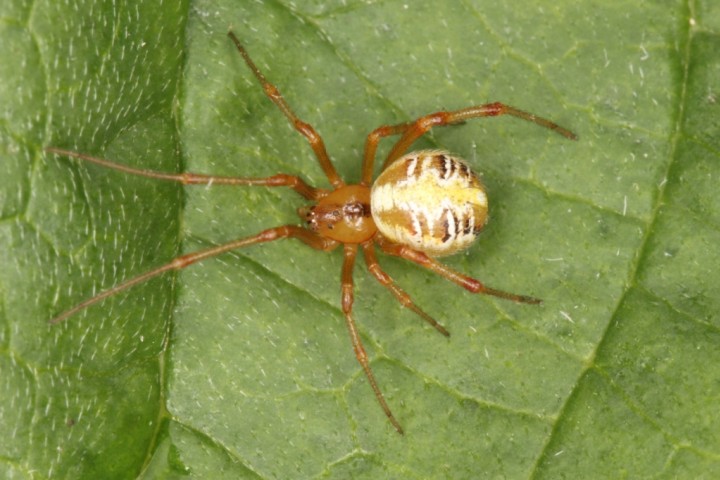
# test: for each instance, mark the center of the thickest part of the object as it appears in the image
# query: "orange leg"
(288, 231)
(400, 294)
(281, 180)
(305, 129)
(438, 119)
(371, 144)
(350, 253)
(469, 283)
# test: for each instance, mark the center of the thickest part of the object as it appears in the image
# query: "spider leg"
(187, 178)
(371, 144)
(350, 253)
(178, 263)
(438, 119)
(400, 294)
(305, 129)
(471, 284)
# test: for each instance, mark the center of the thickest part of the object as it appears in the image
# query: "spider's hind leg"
(456, 117)
(471, 284)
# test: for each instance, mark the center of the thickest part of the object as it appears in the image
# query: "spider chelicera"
(422, 205)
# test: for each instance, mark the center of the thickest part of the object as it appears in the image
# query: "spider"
(423, 205)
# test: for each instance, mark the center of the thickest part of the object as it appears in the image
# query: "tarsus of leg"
(305, 129)
(288, 231)
(187, 178)
(350, 252)
(387, 282)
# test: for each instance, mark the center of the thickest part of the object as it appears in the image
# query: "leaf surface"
(241, 366)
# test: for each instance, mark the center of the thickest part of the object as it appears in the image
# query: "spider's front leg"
(188, 178)
(350, 252)
(288, 231)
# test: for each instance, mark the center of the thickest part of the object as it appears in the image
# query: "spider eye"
(306, 212)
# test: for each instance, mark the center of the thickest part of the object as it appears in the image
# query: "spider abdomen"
(430, 201)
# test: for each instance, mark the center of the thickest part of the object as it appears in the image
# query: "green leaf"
(240, 367)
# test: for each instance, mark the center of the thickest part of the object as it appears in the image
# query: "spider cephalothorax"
(423, 205)
(342, 215)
